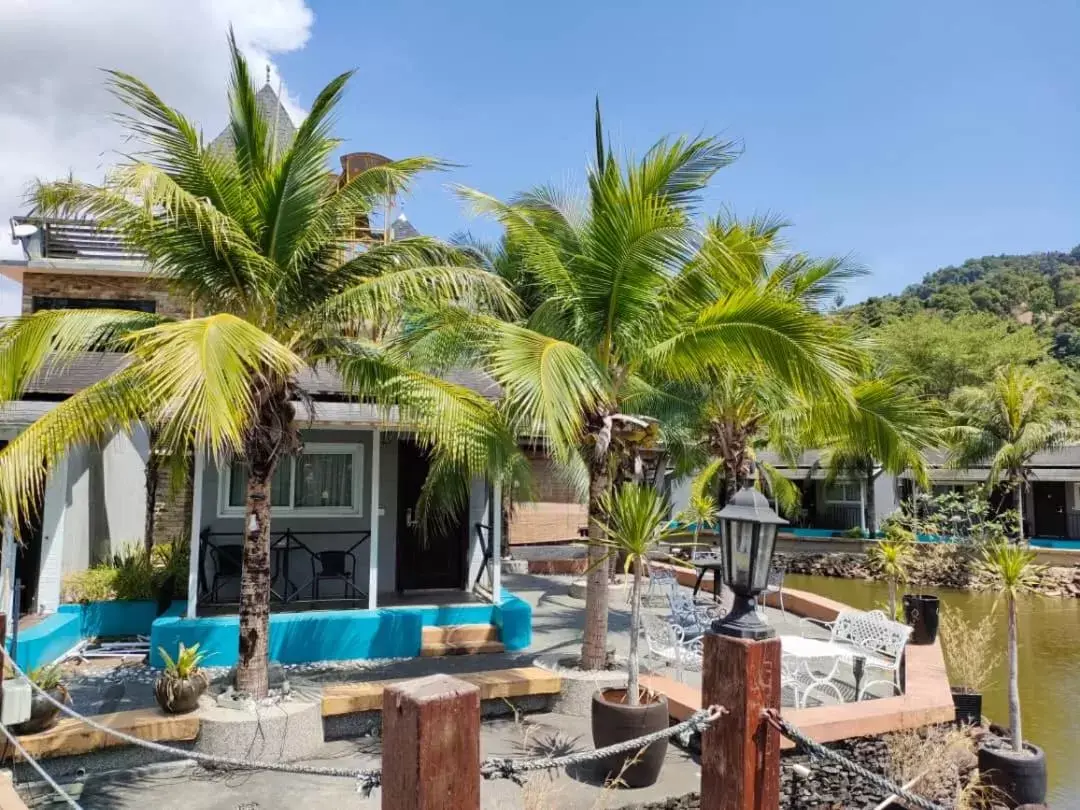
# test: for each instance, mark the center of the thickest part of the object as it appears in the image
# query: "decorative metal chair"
(337, 566)
(668, 643)
(662, 581)
(228, 562)
(775, 584)
(873, 638)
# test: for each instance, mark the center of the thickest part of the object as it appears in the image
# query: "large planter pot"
(968, 706)
(179, 695)
(43, 714)
(1020, 778)
(163, 596)
(614, 721)
(921, 612)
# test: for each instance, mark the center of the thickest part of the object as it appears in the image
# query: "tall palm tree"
(255, 238)
(1004, 424)
(887, 430)
(625, 310)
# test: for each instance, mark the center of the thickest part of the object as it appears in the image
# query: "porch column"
(373, 540)
(862, 503)
(196, 529)
(7, 576)
(496, 542)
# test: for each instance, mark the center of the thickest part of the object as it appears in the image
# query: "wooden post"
(431, 745)
(740, 753)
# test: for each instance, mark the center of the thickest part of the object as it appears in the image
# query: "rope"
(817, 750)
(367, 780)
(63, 794)
(503, 768)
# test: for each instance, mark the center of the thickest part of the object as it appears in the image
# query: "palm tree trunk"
(594, 648)
(635, 631)
(1014, 679)
(1020, 510)
(252, 675)
(870, 514)
(153, 465)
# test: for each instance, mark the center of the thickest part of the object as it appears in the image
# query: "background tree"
(1005, 423)
(255, 239)
(626, 310)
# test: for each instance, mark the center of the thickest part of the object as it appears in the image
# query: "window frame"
(845, 501)
(355, 449)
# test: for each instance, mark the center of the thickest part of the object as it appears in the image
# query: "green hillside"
(1040, 290)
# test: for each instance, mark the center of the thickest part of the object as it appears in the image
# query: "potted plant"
(970, 661)
(43, 714)
(1016, 768)
(633, 521)
(170, 564)
(180, 686)
(890, 557)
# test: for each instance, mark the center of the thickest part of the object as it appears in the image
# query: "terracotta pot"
(614, 721)
(43, 714)
(179, 695)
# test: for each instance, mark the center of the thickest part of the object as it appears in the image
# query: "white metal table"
(800, 654)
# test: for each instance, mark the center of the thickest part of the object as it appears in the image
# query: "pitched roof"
(270, 110)
(71, 376)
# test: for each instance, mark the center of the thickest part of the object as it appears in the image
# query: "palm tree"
(887, 430)
(626, 309)
(891, 555)
(700, 511)
(255, 238)
(1013, 570)
(634, 520)
(1015, 416)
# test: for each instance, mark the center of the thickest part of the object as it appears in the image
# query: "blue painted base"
(47, 640)
(339, 635)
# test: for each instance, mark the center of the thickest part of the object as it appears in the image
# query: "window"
(324, 480)
(41, 302)
(843, 492)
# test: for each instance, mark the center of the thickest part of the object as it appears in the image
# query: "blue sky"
(907, 135)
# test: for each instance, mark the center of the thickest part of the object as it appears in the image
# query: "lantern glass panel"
(743, 541)
(764, 556)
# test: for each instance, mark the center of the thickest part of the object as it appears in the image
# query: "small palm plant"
(890, 556)
(183, 682)
(634, 521)
(1014, 570)
(700, 512)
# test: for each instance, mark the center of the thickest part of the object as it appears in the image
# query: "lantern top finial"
(750, 505)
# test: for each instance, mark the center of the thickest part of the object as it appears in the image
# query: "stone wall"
(172, 508)
(555, 513)
(105, 288)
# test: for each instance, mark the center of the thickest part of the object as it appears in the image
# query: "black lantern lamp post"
(748, 527)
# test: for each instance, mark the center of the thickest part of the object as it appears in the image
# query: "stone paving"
(557, 629)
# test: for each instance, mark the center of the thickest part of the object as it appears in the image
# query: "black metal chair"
(228, 562)
(339, 566)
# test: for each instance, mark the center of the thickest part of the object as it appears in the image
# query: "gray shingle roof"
(64, 379)
(270, 110)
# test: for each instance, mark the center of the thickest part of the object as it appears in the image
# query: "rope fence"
(819, 751)
(63, 794)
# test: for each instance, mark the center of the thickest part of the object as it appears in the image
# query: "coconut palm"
(1016, 415)
(888, 430)
(255, 238)
(700, 512)
(626, 310)
(634, 521)
(1013, 569)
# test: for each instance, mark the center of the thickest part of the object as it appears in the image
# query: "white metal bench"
(871, 637)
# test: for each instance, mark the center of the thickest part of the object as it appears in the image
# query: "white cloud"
(55, 113)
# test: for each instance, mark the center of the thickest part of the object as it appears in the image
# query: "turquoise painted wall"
(339, 635)
(47, 640)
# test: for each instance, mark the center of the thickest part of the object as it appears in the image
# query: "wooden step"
(459, 634)
(70, 736)
(462, 648)
(346, 698)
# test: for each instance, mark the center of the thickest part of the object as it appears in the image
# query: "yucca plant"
(634, 521)
(187, 661)
(627, 305)
(47, 677)
(700, 512)
(255, 238)
(891, 556)
(1012, 567)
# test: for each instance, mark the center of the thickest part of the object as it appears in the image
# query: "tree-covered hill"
(1038, 289)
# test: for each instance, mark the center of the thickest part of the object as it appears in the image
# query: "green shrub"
(170, 561)
(97, 584)
(131, 574)
(134, 573)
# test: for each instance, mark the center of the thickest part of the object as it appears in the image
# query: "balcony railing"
(74, 239)
(839, 516)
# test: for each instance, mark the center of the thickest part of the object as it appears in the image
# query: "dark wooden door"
(429, 559)
(1049, 518)
(28, 558)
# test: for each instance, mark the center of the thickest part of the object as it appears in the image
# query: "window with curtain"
(323, 478)
(843, 492)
